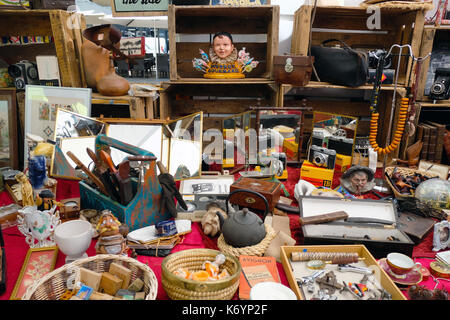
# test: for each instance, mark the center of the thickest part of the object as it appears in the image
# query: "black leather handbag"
(340, 65)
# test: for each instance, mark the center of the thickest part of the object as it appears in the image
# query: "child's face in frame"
(222, 46)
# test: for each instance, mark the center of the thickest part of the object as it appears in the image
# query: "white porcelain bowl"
(73, 238)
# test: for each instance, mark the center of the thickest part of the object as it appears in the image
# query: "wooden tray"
(362, 251)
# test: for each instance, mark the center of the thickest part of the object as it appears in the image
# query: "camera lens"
(437, 88)
(319, 159)
(14, 71)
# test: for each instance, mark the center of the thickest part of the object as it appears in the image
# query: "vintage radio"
(370, 222)
(270, 190)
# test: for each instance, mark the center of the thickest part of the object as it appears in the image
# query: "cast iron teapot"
(243, 228)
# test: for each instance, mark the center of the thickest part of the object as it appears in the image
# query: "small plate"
(271, 291)
(408, 279)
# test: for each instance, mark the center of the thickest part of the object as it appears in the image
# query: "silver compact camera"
(322, 157)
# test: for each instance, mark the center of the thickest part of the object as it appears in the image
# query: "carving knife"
(92, 176)
(124, 186)
(102, 172)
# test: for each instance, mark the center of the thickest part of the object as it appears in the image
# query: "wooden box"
(257, 26)
(62, 31)
(361, 250)
(270, 190)
(350, 24)
(370, 222)
(291, 69)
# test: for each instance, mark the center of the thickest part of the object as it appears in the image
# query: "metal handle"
(249, 191)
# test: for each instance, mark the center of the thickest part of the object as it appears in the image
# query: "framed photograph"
(38, 262)
(8, 129)
(41, 106)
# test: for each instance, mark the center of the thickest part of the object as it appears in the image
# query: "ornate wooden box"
(270, 190)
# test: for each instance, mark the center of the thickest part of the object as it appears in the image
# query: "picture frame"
(41, 105)
(38, 262)
(8, 129)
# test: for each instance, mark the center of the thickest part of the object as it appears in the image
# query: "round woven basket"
(54, 284)
(255, 250)
(178, 288)
(404, 172)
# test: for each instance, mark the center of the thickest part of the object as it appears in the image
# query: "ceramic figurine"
(38, 226)
(224, 61)
(27, 190)
(46, 200)
(110, 241)
(358, 180)
(210, 221)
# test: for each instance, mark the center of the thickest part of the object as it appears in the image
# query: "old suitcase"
(270, 190)
(53, 4)
(370, 222)
(291, 69)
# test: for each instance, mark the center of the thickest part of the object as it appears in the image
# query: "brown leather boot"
(99, 71)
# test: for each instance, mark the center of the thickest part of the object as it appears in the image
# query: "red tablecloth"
(16, 248)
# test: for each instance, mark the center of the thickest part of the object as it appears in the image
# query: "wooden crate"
(430, 38)
(205, 21)
(64, 27)
(349, 24)
(138, 107)
(214, 98)
(383, 278)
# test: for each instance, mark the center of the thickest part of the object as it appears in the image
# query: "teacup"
(399, 263)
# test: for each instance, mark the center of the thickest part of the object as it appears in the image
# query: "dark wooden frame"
(9, 95)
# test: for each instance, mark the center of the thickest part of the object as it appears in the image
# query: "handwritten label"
(140, 5)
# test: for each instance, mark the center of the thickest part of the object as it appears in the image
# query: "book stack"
(432, 136)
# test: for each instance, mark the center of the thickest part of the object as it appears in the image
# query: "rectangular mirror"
(233, 142)
(280, 130)
(72, 125)
(145, 134)
(183, 140)
(333, 132)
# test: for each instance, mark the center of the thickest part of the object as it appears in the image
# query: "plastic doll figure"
(223, 45)
(46, 200)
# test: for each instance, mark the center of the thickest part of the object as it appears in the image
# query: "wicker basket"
(255, 250)
(53, 285)
(404, 172)
(178, 288)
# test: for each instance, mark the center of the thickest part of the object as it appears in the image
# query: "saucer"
(408, 279)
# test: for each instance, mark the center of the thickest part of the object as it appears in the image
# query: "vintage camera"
(322, 157)
(374, 57)
(440, 89)
(341, 145)
(23, 73)
(319, 137)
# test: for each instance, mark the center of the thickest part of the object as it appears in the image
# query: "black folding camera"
(440, 89)
(341, 145)
(322, 157)
(374, 57)
(23, 73)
